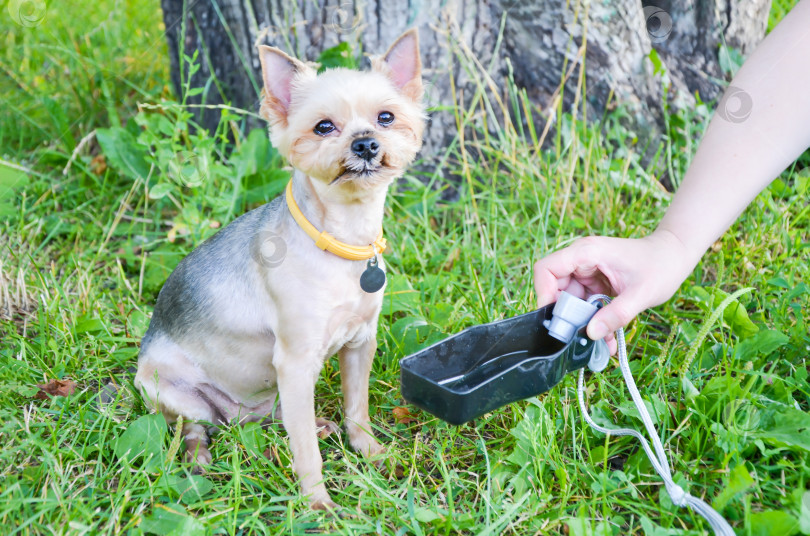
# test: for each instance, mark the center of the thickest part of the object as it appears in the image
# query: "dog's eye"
(324, 127)
(385, 118)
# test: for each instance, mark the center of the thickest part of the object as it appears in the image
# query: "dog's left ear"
(402, 64)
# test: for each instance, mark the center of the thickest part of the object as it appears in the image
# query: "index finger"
(574, 269)
(552, 274)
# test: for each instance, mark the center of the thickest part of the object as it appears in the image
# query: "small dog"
(257, 309)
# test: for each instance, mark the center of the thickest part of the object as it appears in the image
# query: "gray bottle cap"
(570, 313)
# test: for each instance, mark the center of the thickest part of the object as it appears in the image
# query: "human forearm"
(739, 155)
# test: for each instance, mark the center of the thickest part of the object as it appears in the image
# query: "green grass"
(85, 253)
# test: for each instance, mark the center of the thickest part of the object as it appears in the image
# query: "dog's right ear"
(279, 72)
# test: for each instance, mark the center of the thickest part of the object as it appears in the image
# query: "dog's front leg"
(297, 371)
(355, 367)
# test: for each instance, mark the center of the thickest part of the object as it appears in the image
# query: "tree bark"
(541, 42)
(692, 32)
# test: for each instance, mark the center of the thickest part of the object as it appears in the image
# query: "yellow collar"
(327, 242)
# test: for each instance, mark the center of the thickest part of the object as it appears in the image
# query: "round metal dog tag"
(373, 278)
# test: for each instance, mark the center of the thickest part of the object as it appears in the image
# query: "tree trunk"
(541, 43)
(691, 33)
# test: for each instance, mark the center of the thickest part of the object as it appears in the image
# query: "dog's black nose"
(366, 148)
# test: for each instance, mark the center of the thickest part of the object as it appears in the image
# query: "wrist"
(678, 257)
(685, 248)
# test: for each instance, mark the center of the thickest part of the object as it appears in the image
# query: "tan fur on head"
(296, 100)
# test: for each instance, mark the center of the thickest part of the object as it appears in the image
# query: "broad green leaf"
(583, 527)
(172, 520)
(88, 324)
(773, 523)
(738, 480)
(159, 264)
(780, 189)
(400, 297)
(427, 515)
(441, 313)
(24, 390)
(651, 529)
(259, 168)
(730, 59)
(123, 152)
(655, 407)
(802, 182)
(400, 328)
(138, 323)
(762, 344)
(579, 527)
(253, 155)
(717, 394)
(804, 512)
(143, 439)
(253, 438)
(10, 180)
(161, 190)
(708, 324)
(690, 392)
(262, 188)
(785, 426)
(337, 56)
(658, 66)
(736, 317)
(597, 455)
(414, 333)
(190, 488)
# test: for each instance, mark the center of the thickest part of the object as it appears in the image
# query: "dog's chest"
(352, 323)
(352, 318)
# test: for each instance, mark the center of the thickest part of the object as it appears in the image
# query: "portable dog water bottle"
(485, 367)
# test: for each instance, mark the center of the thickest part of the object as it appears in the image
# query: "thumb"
(618, 313)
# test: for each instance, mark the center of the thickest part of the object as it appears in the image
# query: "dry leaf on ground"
(403, 415)
(55, 388)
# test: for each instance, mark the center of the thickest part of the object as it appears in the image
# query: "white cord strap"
(658, 458)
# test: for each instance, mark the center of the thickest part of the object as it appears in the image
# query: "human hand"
(640, 273)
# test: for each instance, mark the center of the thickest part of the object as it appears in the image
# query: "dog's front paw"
(365, 443)
(326, 428)
(197, 453)
(319, 500)
(200, 457)
(327, 505)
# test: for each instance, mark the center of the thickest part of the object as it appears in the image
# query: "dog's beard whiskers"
(356, 170)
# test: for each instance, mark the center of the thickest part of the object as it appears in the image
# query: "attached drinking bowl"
(485, 367)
